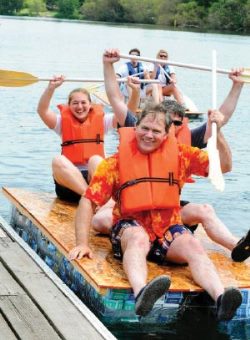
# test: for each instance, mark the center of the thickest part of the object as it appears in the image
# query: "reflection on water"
(44, 48)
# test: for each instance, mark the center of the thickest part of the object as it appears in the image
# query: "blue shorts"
(68, 195)
(190, 227)
(158, 249)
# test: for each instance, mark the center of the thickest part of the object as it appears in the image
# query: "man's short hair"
(135, 50)
(171, 106)
(151, 108)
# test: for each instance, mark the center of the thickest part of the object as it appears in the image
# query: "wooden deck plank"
(23, 315)
(5, 331)
(7, 286)
(2, 234)
(26, 319)
(61, 313)
(55, 219)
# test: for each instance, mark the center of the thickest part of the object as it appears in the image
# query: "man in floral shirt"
(145, 178)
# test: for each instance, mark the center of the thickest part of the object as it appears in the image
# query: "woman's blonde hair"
(81, 90)
(161, 51)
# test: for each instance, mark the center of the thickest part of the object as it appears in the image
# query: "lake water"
(45, 47)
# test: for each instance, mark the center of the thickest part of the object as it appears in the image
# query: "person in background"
(168, 83)
(146, 216)
(133, 68)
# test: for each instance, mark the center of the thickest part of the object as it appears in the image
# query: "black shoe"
(147, 297)
(228, 303)
(242, 250)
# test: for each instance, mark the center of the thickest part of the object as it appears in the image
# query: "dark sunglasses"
(162, 56)
(177, 122)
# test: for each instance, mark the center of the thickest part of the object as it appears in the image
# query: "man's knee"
(190, 244)
(102, 223)
(135, 237)
(94, 161)
(206, 211)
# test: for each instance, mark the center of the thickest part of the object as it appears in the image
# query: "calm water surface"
(44, 48)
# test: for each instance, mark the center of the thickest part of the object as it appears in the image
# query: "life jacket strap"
(96, 140)
(170, 179)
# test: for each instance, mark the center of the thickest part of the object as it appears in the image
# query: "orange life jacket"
(184, 134)
(80, 141)
(183, 137)
(147, 181)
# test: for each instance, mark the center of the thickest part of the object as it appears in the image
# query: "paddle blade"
(189, 104)
(215, 173)
(16, 79)
(245, 75)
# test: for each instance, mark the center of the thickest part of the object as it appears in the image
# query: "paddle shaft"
(86, 80)
(173, 63)
(214, 93)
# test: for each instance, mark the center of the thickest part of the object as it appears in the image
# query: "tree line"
(222, 15)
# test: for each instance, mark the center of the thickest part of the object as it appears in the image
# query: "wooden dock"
(34, 303)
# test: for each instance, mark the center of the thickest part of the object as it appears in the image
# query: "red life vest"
(80, 140)
(147, 181)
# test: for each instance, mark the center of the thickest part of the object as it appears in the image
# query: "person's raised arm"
(83, 219)
(229, 104)
(48, 116)
(111, 86)
(134, 99)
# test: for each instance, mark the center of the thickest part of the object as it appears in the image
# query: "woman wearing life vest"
(81, 126)
(167, 77)
(147, 223)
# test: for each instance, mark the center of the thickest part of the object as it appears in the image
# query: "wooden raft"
(55, 219)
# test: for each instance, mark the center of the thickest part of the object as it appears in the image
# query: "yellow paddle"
(18, 79)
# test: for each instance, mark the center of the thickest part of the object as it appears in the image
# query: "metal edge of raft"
(95, 322)
(117, 305)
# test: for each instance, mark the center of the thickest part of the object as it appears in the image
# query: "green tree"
(205, 3)
(246, 21)
(139, 11)
(166, 12)
(103, 10)
(9, 7)
(51, 4)
(189, 15)
(34, 7)
(68, 9)
(227, 15)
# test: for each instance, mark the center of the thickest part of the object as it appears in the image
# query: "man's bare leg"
(193, 213)
(135, 247)
(186, 249)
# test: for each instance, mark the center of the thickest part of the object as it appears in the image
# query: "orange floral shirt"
(105, 184)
